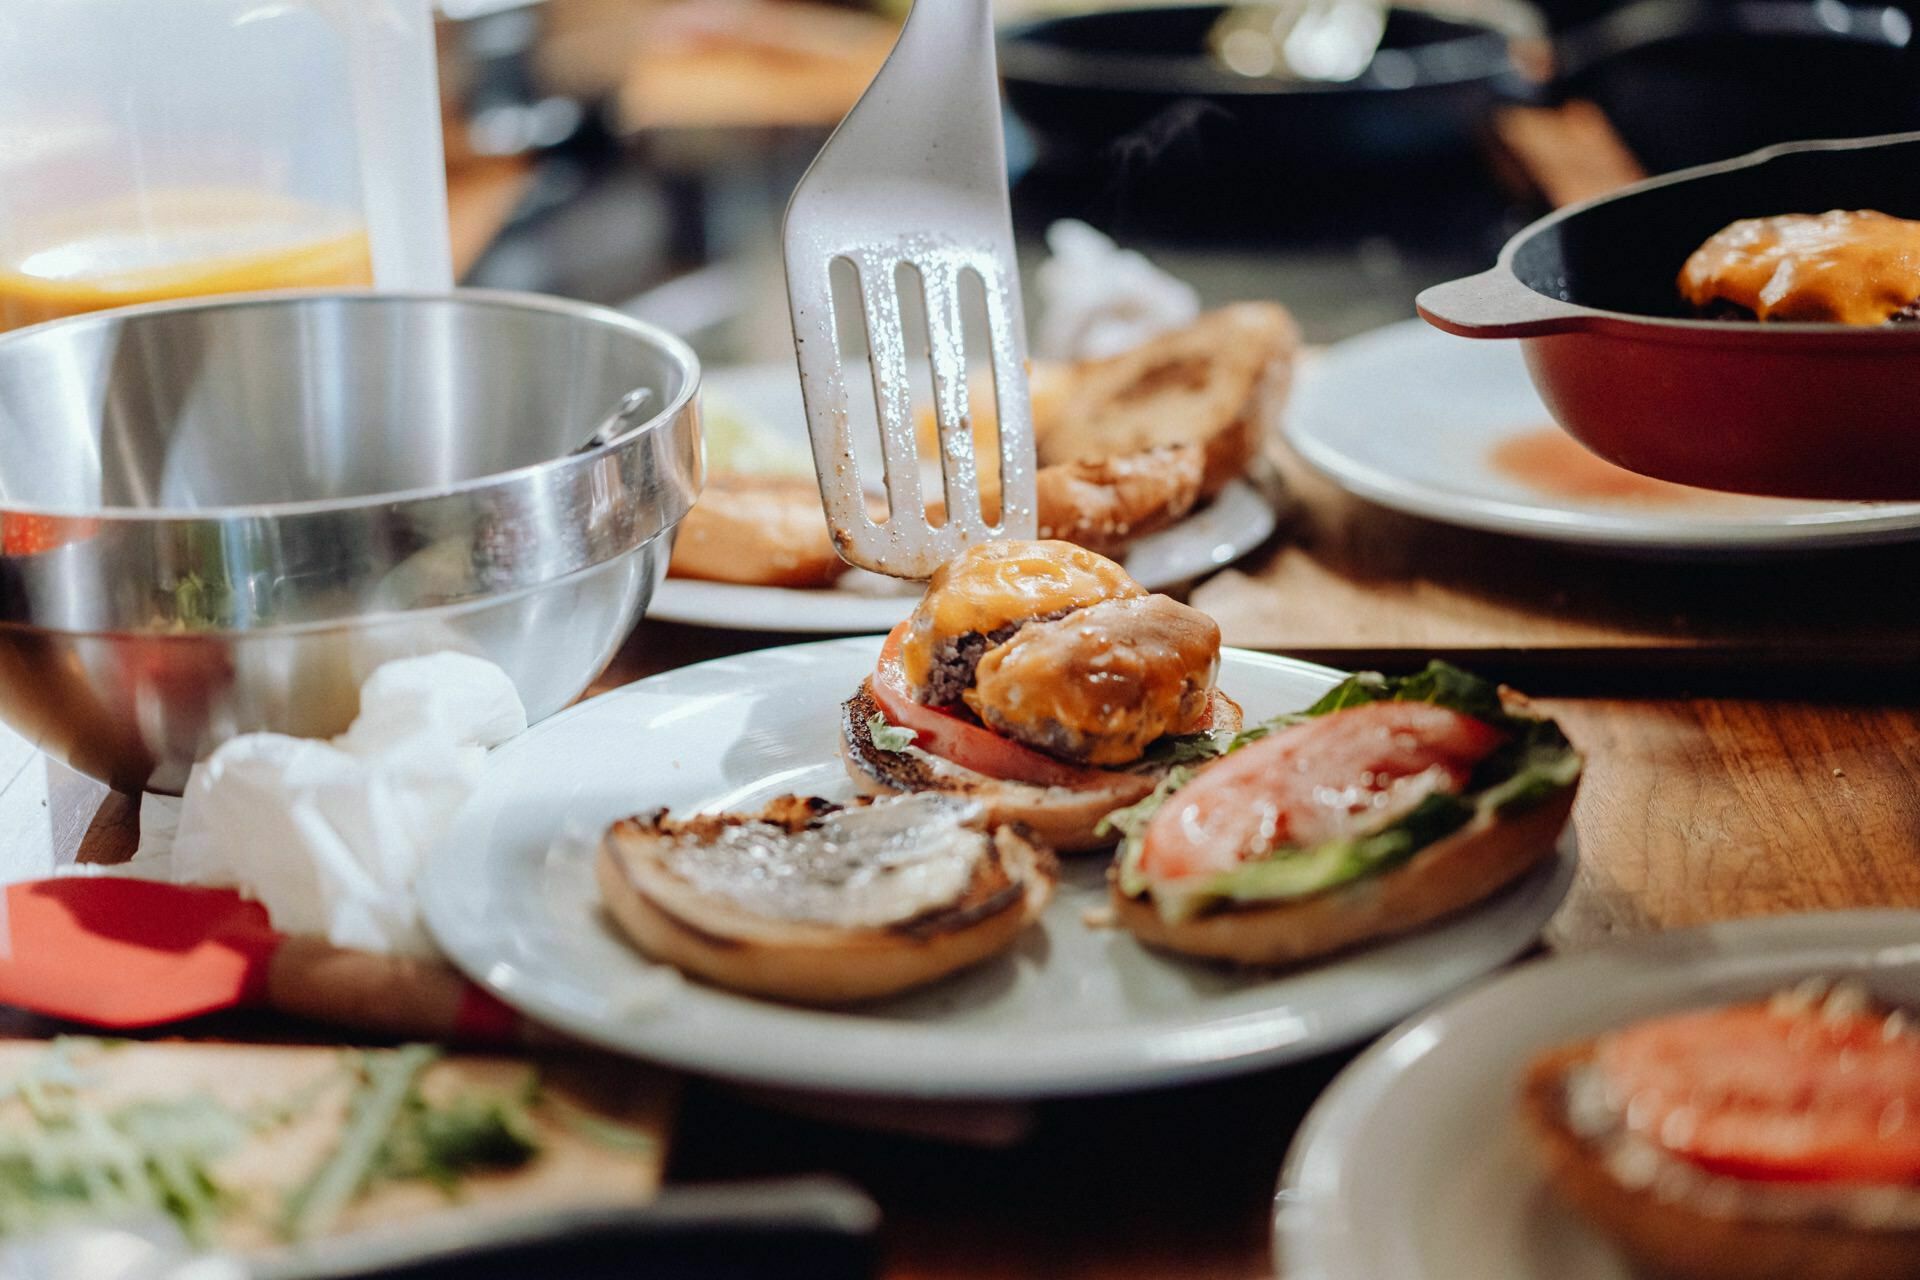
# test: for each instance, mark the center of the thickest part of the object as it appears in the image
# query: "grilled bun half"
(1445, 877)
(757, 531)
(822, 904)
(1385, 806)
(1215, 386)
(1792, 1163)
(1039, 679)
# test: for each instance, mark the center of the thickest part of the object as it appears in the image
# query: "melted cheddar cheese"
(993, 584)
(1102, 683)
(1858, 268)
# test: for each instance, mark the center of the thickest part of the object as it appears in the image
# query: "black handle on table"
(819, 1228)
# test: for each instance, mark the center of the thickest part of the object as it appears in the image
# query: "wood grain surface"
(1753, 734)
(1694, 809)
(1352, 583)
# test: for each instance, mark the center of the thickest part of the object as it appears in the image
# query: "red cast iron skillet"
(1792, 410)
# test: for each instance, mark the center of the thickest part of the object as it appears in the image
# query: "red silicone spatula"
(124, 954)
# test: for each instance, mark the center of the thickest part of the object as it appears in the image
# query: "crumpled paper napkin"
(1099, 300)
(329, 836)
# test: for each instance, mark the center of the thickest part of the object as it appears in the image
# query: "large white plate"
(1236, 522)
(1414, 1163)
(1073, 1010)
(1407, 416)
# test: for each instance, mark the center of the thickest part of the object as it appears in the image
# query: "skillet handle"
(1494, 304)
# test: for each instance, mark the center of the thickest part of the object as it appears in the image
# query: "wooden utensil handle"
(1569, 153)
(391, 995)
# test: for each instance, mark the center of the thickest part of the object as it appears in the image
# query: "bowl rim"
(671, 413)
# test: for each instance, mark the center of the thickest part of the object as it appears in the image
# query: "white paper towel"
(1099, 300)
(329, 836)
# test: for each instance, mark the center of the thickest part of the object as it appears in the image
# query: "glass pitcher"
(158, 149)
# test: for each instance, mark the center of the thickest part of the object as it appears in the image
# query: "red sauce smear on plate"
(1551, 462)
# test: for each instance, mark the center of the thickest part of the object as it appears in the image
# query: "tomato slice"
(957, 736)
(1331, 776)
(1753, 1092)
(22, 534)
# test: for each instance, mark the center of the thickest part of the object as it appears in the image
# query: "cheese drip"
(993, 584)
(1858, 268)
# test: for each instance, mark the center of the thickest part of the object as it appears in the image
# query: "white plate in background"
(1410, 417)
(1073, 1009)
(1415, 1163)
(768, 395)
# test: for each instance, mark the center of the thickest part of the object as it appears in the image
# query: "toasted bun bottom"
(1672, 1240)
(1062, 818)
(1442, 878)
(811, 963)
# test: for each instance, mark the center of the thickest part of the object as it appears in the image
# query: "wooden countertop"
(1796, 791)
(1695, 809)
(1773, 779)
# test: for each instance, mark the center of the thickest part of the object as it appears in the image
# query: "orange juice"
(169, 245)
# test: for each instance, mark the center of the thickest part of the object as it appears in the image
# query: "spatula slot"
(851, 340)
(917, 339)
(983, 390)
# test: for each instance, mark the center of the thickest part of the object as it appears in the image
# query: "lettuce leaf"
(1189, 748)
(888, 737)
(1441, 683)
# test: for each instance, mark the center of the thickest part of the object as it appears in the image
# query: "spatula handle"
(391, 995)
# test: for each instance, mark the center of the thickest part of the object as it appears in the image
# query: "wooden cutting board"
(1350, 583)
(601, 1126)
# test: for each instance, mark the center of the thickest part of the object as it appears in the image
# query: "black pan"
(1136, 91)
(1686, 82)
(1138, 88)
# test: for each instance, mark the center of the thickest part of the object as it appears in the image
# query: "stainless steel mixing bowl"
(218, 517)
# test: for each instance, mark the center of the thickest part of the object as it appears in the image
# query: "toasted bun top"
(994, 584)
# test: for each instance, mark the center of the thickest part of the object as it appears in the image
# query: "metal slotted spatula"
(915, 176)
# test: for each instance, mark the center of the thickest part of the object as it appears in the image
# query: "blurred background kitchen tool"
(628, 414)
(817, 1227)
(124, 954)
(1329, 40)
(911, 194)
(221, 517)
(498, 96)
(1147, 104)
(150, 152)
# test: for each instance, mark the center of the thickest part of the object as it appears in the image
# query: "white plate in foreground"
(1414, 419)
(1073, 1009)
(1236, 522)
(1415, 1165)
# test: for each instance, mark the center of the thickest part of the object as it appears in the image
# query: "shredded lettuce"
(393, 1133)
(1190, 748)
(1441, 684)
(388, 1079)
(69, 1162)
(66, 1159)
(888, 737)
